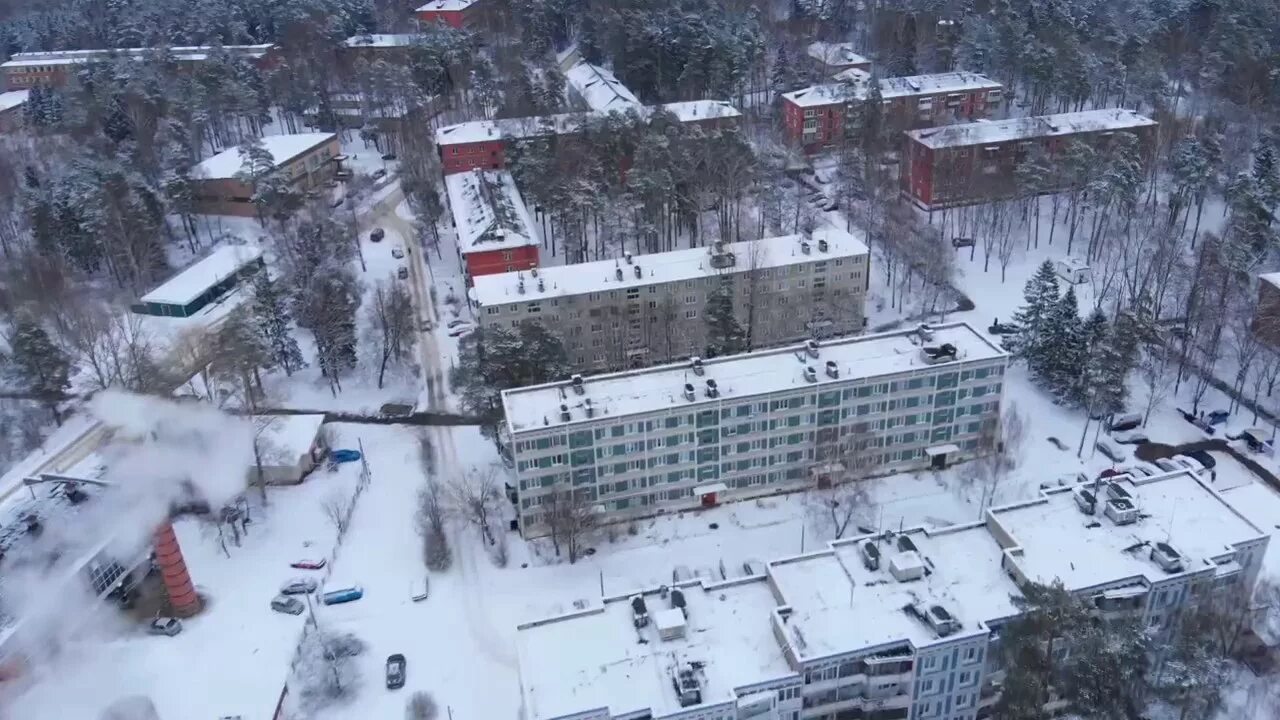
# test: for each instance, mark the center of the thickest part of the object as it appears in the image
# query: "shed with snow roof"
(288, 447)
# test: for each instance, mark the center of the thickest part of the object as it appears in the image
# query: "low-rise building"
(454, 13)
(304, 159)
(287, 447)
(496, 233)
(689, 435)
(830, 58)
(822, 116)
(975, 162)
(892, 625)
(12, 107)
(643, 310)
(482, 144)
(202, 283)
(598, 88)
(51, 69)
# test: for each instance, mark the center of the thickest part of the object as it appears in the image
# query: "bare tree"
(326, 670)
(573, 517)
(114, 348)
(391, 317)
(421, 706)
(337, 510)
(998, 445)
(430, 520)
(476, 498)
(1153, 369)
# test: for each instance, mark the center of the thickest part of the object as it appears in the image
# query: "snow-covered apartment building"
(496, 233)
(454, 13)
(637, 311)
(688, 435)
(974, 162)
(482, 144)
(304, 160)
(820, 116)
(51, 69)
(830, 58)
(894, 625)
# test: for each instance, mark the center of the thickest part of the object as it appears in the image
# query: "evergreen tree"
(725, 335)
(38, 365)
(872, 117)
(783, 77)
(1039, 295)
(273, 318)
(1062, 350)
(491, 360)
(240, 352)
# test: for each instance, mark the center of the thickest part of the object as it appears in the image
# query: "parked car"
(298, 586)
(397, 252)
(287, 605)
(828, 205)
(457, 323)
(1198, 468)
(379, 174)
(377, 234)
(1126, 421)
(418, 592)
(1203, 457)
(389, 156)
(1141, 469)
(1169, 465)
(460, 331)
(1111, 450)
(165, 626)
(403, 273)
(1218, 417)
(961, 242)
(395, 671)
(998, 328)
(424, 325)
(345, 595)
(308, 564)
(1130, 437)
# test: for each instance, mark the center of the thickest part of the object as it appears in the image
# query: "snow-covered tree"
(725, 335)
(38, 365)
(491, 360)
(273, 319)
(1040, 295)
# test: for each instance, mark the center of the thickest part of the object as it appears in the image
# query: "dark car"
(377, 235)
(389, 156)
(402, 273)
(395, 671)
(1203, 457)
(379, 174)
(961, 242)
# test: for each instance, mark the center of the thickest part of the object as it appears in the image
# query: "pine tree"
(1061, 352)
(40, 366)
(872, 119)
(273, 318)
(725, 335)
(783, 76)
(1040, 295)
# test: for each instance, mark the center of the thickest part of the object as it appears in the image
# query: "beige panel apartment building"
(643, 310)
(693, 434)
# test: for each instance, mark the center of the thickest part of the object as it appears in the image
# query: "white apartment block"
(888, 626)
(642, 310)
(693, 434)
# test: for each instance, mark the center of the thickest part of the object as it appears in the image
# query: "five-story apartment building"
(694, 434)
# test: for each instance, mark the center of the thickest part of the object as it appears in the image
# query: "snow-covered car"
(457, 322)
(308, 564)
(1195, 466)
(1111, 450)
(397, 252)
(395, 671)
(1169, 465)
(298, 586)
(287, 605)
(1142, 469)
(379, 174)
(460, 331)
(1130, 437)
(961, 242)
(165, 626)
(403, 273)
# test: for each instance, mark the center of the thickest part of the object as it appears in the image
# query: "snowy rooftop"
(283, 148)
(74, 57)
(737, 376)
(597, 659)
(853, 86)
(382, 40)
(599, 88)
(488, 211)
(1013, 129)
(190, 283)
(566, 123)
(837, 604)
(1272, 278)
(12, 99)
(836, 54)
(673, 266)
(447, 5)
(1056, 539)
(288, 436)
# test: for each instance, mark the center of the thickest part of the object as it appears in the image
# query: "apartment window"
(927, 687)
(533, 307)
(690, 314)
(970, 654)
(690, 299)
(964, 701)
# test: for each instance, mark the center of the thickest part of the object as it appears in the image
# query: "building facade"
(496, 233)
(51, 69)
(823, 116)
(679, 437)
(482, 144)
(649, 309)
(1266, 317)
(206, 281)
(305, 159)
(965, 164)
(891, 625)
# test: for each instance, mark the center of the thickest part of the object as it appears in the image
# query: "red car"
(308, 564)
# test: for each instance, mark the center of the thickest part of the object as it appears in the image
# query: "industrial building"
(694, 434)
(637, 311)
(891, 625)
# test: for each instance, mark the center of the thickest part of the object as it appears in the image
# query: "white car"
(1111, 450)
(1130, 437)
(397, 252)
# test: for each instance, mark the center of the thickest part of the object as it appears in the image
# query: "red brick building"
(52, 69)
(1266, 318)
(454, 13)
(974, 162)
(821, 116)
(482, 144)
(496, 233)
